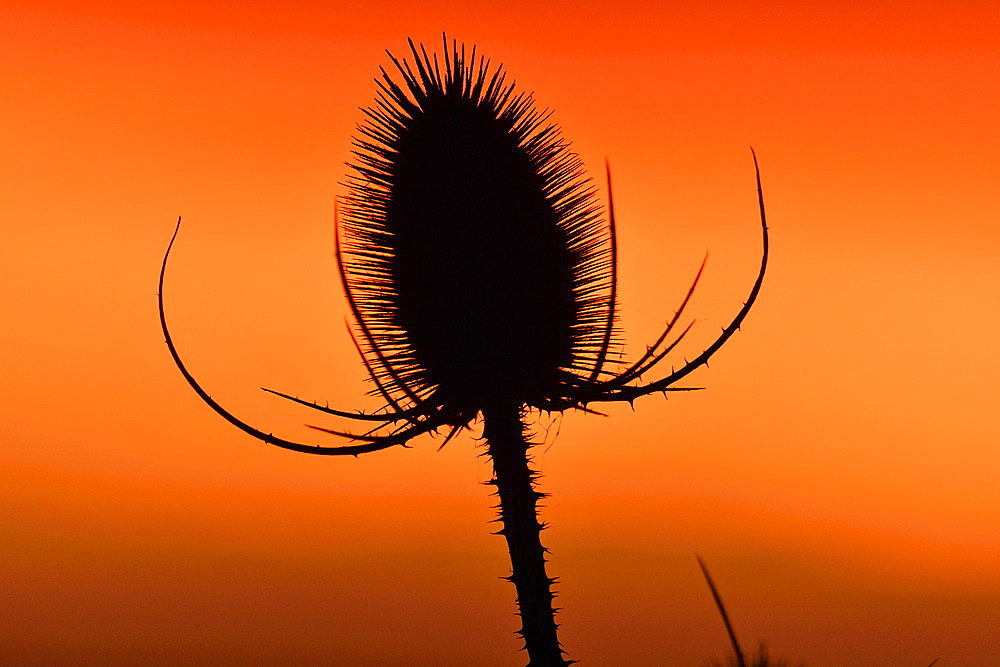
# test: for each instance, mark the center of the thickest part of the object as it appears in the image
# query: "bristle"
(475, 248)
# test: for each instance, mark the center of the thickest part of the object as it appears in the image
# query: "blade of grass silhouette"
(741, 662)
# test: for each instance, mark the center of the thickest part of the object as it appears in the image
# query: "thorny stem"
(508, 446)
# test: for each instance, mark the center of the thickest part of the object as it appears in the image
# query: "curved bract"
(353, 450)
(477, 262)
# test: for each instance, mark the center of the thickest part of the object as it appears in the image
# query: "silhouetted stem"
(508, 448)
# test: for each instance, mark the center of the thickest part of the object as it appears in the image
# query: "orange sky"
(839, 474)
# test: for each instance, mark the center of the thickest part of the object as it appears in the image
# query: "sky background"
(839, 475)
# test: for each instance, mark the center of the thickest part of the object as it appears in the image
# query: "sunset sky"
(840, 474)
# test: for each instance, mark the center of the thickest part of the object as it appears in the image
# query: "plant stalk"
(507, 445)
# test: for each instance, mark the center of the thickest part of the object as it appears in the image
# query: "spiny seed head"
(474, 250)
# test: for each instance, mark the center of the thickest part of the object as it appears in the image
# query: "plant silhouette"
(481, 275)
(761, 658)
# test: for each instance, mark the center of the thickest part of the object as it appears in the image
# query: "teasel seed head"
(475, 253)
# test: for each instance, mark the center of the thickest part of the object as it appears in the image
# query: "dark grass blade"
(737, 651)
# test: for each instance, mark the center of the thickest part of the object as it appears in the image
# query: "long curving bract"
(349, 450)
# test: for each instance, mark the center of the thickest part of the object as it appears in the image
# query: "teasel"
(480, 271)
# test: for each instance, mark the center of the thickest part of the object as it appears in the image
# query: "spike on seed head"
(474, 249)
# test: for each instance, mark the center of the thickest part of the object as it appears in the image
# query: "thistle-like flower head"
(475, 255)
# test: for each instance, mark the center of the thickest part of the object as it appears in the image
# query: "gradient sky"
(839, 474)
